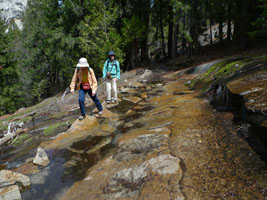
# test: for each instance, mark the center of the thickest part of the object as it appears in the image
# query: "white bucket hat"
(83, 63)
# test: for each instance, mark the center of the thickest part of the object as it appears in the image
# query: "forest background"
(38, 61)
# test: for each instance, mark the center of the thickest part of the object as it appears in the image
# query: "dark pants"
(82, 98)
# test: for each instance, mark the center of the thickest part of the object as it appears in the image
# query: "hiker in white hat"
(86, 83)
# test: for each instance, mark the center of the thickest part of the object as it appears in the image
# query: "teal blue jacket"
(115, 70)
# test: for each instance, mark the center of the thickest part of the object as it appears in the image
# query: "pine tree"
(10, 93)
(98, 35)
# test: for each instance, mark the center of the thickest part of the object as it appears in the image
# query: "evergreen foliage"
(10, 93)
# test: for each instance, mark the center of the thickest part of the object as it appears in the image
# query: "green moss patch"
(216, 72)
(51, 129)
(21, 139)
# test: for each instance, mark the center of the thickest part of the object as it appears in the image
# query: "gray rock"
(140, 146)
(13, 9)
(131, 178)
(10, 193)
(41, 157)
(164, 164)
(10, 178)
(146, 73)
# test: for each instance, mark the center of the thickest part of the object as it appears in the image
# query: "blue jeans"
(82, 98)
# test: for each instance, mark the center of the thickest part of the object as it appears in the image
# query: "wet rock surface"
(10, 178)
(8, 189)
(10, 193)
(170, 144)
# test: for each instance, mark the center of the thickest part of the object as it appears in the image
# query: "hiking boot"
(100, 112)
(81, 117)
(108, 101)
(113, 101)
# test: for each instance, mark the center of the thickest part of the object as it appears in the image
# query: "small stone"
(10, 193)
(41, 157)
(144, 95)
(88, 178)
(137, 85)
(132, 99)
(138, 107)
(70, 163)
(129, 125)
(75, 150)
(129, 113)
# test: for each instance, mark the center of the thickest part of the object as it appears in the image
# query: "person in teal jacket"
(111, 74)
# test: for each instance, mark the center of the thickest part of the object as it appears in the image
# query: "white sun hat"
(83, 63)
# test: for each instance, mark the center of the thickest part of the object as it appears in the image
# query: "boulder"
(223, 99)
(133, 179)
(81, 125)
(79, 130)
(106, 113)
(146, 73)
(10, 178)
(41, 157)
(10, 193)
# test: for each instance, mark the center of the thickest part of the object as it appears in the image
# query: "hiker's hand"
(72, 92)
(93, 94)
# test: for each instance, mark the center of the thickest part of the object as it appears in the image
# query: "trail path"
(182, 150)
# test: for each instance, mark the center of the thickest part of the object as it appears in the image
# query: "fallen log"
(10, 136)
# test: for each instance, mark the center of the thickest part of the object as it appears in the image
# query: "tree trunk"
(175, 40)
(221, 33)
(11, 136)
(229, 26)
(162, 37)
(211, 35)
(243, 22)
(170, 32)
(191, 26)
(134, 54)
(183, 37)
(145, 19)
